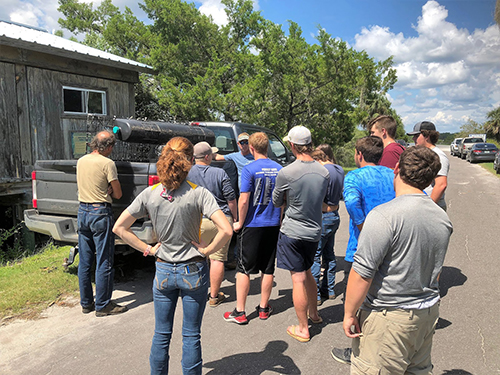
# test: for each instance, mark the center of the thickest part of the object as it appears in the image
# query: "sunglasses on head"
(244, 142)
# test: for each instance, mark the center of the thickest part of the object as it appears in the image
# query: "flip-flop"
(316, 321)
(295, 336)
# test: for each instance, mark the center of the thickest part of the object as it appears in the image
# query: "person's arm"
(440, 184)
(219, 157)
(122, 229)
(279, 192)
(224, 233)
(243, 203)
(353, 201)
(116, 189)
(234, 208)
(357, 288)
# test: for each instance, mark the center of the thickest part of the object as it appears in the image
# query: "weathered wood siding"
(10, 150)
(51, 127)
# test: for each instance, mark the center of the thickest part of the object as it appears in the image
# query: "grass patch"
(489, 168)
(29, 286)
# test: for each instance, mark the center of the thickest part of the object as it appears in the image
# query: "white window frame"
(85, 99)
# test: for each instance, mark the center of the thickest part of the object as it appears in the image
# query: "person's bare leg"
(216, 276)
(266, 286)
(242, 289)
(311, 289)
(300, 302)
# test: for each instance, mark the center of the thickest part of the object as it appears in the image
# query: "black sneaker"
(238, 317)
(111, 308)
(264, 312)
(88, 309)
(342, 355)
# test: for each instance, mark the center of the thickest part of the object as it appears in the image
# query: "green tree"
(249, 70)
(471, 127)
(492, 124)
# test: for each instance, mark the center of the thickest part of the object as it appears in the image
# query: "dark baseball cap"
(423, 125)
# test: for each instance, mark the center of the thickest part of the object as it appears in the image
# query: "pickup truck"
(54, 188)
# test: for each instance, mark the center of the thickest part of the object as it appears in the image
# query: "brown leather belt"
(330, 208)
(192, 260)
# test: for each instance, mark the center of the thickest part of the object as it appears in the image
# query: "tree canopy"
(250, 70)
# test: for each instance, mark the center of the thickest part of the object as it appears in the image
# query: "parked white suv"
(454, 146)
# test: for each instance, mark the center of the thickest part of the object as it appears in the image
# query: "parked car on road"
(454, 146)
(496, 163)
(466, 143)
(482, 152)
(402, 142)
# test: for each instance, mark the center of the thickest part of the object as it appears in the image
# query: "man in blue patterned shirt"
(364, 189)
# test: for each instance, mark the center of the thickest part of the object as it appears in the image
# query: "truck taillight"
(33, 189)
(153, 180)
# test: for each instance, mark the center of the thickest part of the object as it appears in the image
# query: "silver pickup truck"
(55, 197)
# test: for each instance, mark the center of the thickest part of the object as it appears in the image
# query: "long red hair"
(175, 161)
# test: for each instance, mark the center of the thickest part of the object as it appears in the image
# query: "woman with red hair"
(175, 207)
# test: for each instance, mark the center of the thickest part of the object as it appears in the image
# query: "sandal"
(291, 331)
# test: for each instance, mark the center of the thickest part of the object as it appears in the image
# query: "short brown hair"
(432, 134)
(418, 166)
(102, 141)
(371, 148)
(175, 162)
(384, 122)
(327, 149)
(319, 155)
(260, 142)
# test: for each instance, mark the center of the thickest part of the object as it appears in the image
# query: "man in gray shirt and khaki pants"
(392, 298)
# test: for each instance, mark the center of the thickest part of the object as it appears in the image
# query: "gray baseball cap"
(423, 125)
(299, 135)
(202, 149)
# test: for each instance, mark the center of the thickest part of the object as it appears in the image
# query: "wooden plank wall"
(50, 127)
(10, 150)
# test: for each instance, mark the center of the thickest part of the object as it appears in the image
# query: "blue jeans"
(172, 281)
(330, 224)
(96, 241)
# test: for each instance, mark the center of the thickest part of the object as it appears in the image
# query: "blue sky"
(446, 52)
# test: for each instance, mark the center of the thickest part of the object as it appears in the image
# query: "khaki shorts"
(395, 342)
(208, 231)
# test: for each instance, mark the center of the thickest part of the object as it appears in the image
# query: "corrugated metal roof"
(25, 37)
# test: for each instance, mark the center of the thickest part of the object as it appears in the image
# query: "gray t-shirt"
(445, 168)
(402, 248)
(303, 185)
(176, 221)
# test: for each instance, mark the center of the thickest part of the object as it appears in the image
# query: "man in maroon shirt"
(385, 128)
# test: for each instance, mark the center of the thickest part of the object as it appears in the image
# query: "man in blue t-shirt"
(259, 223)
(364, 189)
(241, 158)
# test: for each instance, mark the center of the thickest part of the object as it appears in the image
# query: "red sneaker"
(238, 317)
(264, 312)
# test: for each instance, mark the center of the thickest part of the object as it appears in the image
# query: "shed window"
(84, 101)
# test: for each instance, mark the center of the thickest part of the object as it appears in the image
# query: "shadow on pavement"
(450, 277)
(272, 358)
(456, 372)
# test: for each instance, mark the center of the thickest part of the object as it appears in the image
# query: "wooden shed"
(53, 93)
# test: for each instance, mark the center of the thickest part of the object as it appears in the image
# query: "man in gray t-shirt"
(394, 278)
(301, 188)
(425, 134)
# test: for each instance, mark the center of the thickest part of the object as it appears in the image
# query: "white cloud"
(459, 69)
(215, 9)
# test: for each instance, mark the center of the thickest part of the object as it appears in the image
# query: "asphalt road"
(467, 340)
